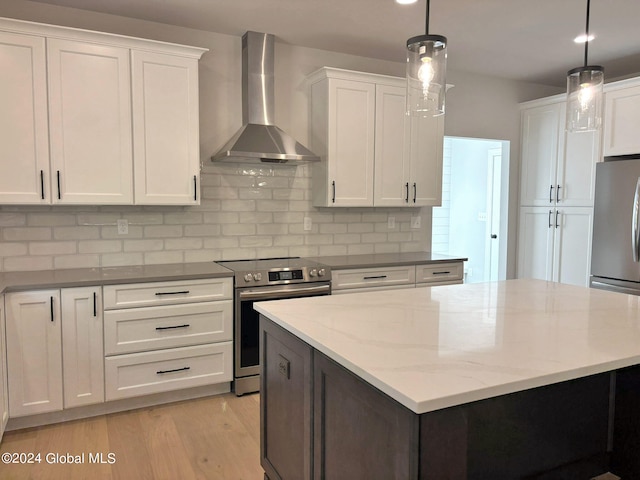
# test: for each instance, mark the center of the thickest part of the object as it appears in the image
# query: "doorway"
(472, 221)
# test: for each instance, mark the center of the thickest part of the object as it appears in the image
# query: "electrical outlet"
(415, 222)
(123, 226)
(306, 224)
(391, 223)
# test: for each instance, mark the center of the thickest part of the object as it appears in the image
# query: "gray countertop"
(341, 262)
(78, 277)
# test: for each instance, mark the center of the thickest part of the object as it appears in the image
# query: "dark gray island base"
(320, 421)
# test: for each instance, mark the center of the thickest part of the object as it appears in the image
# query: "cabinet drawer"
(151, 328)
(166, 293)
(164, 370)
(373, 277)
(439, 273)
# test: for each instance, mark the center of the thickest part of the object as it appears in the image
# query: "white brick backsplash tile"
(52, 248)
(319, 240)
(300, 205)
(347, 238)
(122, 259)
(99, 246)
(386, 248)
(135, 231)
(238, 205)
(360, 227)
(202, 255)
(154, 258)
(256, 217)
(221, 242)
(76, 261)
(273, 206)
(343, 217)
(201, 230)
(360, 249)
(255, 241)
(238, 229)
(221, 217)
(399, 237)
(12, 264)
(238, 181)
(207, 205)
(97, 219)
(76, 233)
(50, 219)
(182, 243)
(13, 249)
(255, 193)
(143, 245)
(236, 253)
(333, 228)
(318, 217)
(374, 217)
(328, 250)
(273, 229)
(288, 240)
(374, 237)
(272, 252)
(220, 193)
(304, 251)
(208, 179)
(12, 219)
(413, 247)
(26, 233)
(288, 217)
(144, 218)
(288, 194)
(183, 218)
(163, 231)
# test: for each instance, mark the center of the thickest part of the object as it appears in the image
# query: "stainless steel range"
(266, 279)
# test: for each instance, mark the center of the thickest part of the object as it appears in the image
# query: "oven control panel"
(285, 275)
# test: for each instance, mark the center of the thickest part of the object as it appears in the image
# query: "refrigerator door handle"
(635, 231)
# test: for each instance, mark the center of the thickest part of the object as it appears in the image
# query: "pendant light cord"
(586, 42)
(426, 27)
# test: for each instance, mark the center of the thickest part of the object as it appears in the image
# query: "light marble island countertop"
(443, 346)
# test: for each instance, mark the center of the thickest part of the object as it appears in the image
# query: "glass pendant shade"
(426, 68)
(584, 98)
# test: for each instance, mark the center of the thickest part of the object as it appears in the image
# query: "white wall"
(31, 239)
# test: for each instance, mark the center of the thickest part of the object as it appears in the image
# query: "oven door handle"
(293, 292)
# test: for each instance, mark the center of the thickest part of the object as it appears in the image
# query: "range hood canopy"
(259, 140)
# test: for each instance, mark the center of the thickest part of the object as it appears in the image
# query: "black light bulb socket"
(436, 39)
(585, 69)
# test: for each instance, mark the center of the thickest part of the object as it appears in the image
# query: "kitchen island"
(515, 379)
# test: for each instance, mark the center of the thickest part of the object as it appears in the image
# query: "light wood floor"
(209, 438)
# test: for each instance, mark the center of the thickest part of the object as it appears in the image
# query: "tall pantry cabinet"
(556, 195)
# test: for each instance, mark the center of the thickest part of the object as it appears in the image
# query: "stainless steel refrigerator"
(615, 255)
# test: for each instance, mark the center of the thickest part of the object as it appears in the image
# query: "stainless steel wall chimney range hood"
(259, 140)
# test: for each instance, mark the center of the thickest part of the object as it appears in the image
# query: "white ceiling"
(529, 40)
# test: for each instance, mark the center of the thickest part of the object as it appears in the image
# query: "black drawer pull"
(374, 277)
(160, 372)
(59, 191)
(51, 305)
(441, 273)
(183, 292)
(95, 304)
(186, 325)
(42, 183)
(195, 188)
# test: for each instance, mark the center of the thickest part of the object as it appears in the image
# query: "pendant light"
(585, 93)
(426, 68)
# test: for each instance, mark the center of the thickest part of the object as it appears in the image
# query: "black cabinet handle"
(557, 219)
(195, 188)
(333, 195)
(59, 192)
(95, 304)
(550, 193)
(558, 193)
(415, 192)
(183, 292)
(51, 306)
(160, 372)
(186, 325)
(406, 199)
(442, 273)
(42, 183)
(374, 277)
(550, 213)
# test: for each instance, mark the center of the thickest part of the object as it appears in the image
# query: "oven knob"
(257, 277)
(313, 272)
(321, 272)
(248, 277)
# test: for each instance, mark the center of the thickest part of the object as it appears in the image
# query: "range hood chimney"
(259, 140)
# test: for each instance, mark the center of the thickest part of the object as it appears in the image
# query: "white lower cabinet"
(165, 336)
(439, 274)
(554, 244)
(45, 327)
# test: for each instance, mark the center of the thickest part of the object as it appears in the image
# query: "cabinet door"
(541, 139)
(165, 129)
(425, 144)
(83, 356)
(4, 394)
(391, 187)
(576, 174)
(535, 243)
(24, 137)
(90, 123)
(351, 131)
(621, 119)
(34, 352)
(572, 245)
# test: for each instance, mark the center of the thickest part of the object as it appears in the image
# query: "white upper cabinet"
(90, 123)
(24, 138)
(359, 129)
(622, 118)
(115, 137)
(558, 168)
(165, 129)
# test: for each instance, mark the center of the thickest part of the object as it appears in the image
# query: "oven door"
(247, 335)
